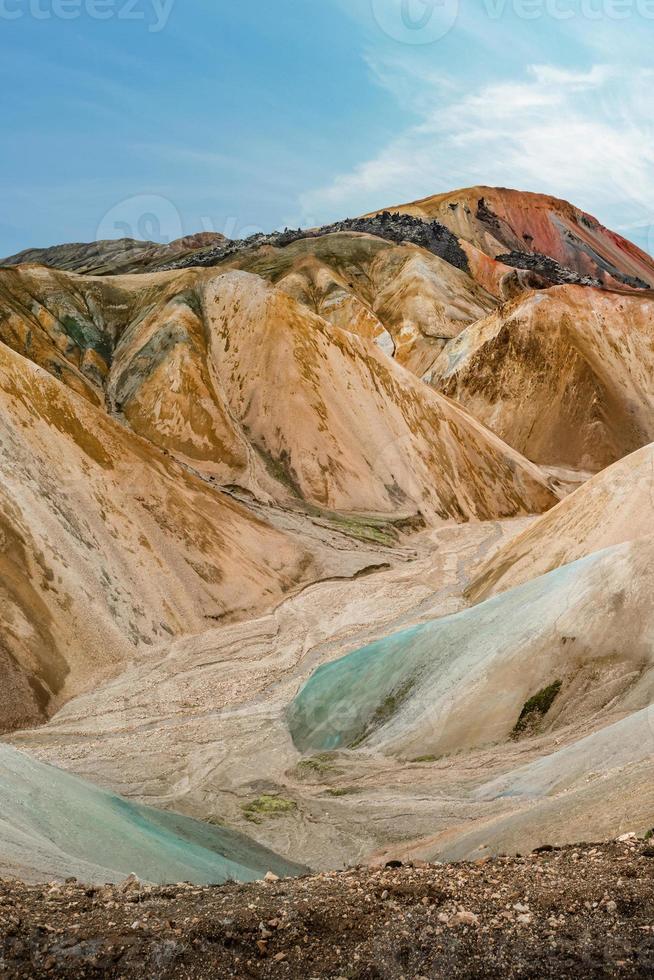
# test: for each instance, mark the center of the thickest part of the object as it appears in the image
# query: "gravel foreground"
(585, 911)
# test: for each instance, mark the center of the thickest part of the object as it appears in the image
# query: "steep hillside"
(564, 376)
(109, 548)
(615, 506)
(245, 385)
(503, 222)
(282, 546)
(559, 648)
(410, 301)
(53, 825)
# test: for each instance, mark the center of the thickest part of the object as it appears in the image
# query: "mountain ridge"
(337, 537)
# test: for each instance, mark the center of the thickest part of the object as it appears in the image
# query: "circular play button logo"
(415, 21)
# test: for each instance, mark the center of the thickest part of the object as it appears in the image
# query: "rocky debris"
(393, 227)
(487, 215)
(428, 234)
(518, 281)
(632, 281)
(548, 269)
(554, 274)
(584, 911)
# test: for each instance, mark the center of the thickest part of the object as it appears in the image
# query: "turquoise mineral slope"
(461, 681)
(53, 825)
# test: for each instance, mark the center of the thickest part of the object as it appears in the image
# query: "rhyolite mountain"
(114, 256)
(289, 548)
(523, 230)
(565, 375)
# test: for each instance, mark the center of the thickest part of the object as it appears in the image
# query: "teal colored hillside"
(345, 701)
(65, 823)
(451, 683)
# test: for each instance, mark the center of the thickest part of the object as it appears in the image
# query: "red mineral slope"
(500, 221)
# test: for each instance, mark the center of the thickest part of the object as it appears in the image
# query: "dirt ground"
(585, 911)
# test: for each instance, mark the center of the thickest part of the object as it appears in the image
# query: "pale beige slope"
(460, 682)
(499, 220)
(349, 428)
(204, 729)
(109, 548)
(403, 296)
(201, 726)
(595, 788)
(564, 376)
(617, 505)
(244, 384)
(588, 627)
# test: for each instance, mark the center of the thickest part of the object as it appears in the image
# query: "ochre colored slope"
(348, 427)
(404, 297)
(243, 383)
(108, 548)
(565, 376)
(64, 323)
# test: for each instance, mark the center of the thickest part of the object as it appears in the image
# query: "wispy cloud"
(585, 135)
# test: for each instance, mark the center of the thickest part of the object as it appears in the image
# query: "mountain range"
(327, 546)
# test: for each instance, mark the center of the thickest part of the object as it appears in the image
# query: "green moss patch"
(87, 336)
(367, 530)
(266, 806)
(313, 767)
(536, 708)
(280, 469)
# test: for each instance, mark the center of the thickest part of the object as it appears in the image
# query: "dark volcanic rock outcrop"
(557, 275)
(398, 228)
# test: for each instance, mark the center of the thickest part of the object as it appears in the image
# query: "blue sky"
(165, 117)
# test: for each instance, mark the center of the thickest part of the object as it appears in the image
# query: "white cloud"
(586, 136)
(551, 75)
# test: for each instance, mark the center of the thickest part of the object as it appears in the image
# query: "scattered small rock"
(547, 916)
